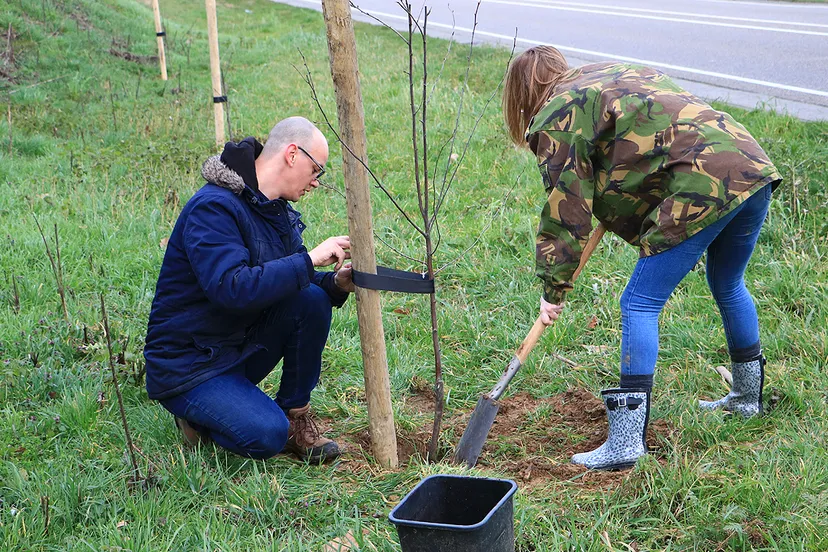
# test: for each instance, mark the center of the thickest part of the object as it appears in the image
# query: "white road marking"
(607, 56)
(690, 14)
(613, 12)
(788, 5)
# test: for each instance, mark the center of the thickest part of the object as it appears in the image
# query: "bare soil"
(531, 440)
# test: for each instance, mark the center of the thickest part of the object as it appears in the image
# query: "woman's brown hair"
(529, 81)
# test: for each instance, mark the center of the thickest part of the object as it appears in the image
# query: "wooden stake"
(159, 30)
(345, 73)
(215, 71)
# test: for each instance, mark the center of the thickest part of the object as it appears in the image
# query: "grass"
(101, 147)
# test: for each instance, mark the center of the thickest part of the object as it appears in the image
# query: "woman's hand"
(549, 312)
(344, 278)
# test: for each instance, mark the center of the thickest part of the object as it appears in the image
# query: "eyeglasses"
(314, 161)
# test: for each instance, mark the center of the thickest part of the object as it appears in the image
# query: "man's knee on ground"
(268, 435)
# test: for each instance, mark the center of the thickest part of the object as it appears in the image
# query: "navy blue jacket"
(232, 254)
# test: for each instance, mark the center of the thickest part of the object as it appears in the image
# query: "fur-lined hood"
(235, 168)
(213, 170)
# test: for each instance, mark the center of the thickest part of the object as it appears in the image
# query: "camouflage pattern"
(653, 163)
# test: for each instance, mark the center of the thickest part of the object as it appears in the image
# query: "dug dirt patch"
(531, 440)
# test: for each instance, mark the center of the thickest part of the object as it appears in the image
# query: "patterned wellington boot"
(745, 396)
(628, 410)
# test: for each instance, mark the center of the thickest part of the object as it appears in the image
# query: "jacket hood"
(235, 168)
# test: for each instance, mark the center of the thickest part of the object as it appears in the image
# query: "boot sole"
(313, 459)
(611, 467)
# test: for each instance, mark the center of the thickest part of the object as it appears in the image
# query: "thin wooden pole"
(215, 71)
(345, 73)
(159, 34)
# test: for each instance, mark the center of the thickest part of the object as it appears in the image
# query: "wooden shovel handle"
(538, 327)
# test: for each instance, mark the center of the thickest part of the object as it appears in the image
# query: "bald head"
(292, 160)
(293, 130)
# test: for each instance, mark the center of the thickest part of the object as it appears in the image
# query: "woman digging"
(667, 173)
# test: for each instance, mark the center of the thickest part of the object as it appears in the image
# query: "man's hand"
(333, 250)
(549, 312)
(344, 278)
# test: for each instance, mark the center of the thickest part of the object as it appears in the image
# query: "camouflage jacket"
(653, 163)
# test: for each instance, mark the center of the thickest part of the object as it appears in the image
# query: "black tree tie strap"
(162, 33)
(389, 279)
(219, 99)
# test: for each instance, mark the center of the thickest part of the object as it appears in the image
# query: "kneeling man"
(238, 291)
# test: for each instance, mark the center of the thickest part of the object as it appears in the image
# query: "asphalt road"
(745, 53)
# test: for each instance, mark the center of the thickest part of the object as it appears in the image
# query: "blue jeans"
(729, 243)
(232, 410)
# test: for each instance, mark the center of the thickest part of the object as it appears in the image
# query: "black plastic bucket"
(457, 513)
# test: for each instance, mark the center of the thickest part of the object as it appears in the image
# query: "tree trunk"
(438, 363)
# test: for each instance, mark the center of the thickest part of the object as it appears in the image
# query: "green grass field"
(91, 140)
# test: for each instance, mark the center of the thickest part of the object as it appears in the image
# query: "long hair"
(529, 81)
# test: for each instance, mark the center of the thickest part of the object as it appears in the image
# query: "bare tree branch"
(136, 475)
(414, 20)
(462, 95)
(309, 80)
(426, 223)
(56, 269)
(447, 186)
(333, 189)
(407, 7)
(486, 229)
(378, 20)
(448, 52)
(398, 252)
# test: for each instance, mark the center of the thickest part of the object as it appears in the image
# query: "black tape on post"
(389, 279)
(162, 33)
(219, 99)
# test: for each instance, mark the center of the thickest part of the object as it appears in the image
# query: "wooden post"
(345, 73)
(159, 34)
(215, 71)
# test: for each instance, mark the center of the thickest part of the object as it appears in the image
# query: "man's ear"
(290, 154)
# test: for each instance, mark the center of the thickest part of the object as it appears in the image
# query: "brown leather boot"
(306, 441)
(190, 434)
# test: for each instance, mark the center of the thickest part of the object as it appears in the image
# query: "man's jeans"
(729, 243)
(232, 410)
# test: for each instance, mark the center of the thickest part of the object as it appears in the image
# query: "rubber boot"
(745, 396)
(628, 411)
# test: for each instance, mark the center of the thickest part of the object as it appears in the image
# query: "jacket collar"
(235, 168)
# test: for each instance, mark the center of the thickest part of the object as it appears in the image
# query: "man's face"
(308, 167)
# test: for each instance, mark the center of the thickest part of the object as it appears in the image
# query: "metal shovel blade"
(471, 444)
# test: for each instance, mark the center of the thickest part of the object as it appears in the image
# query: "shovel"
(473, 439)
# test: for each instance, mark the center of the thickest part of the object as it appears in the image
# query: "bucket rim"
(392, 517)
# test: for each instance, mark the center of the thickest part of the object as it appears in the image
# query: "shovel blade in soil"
(473, 439)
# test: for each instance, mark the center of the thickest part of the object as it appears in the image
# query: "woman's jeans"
(729, 243)
(232, 410)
